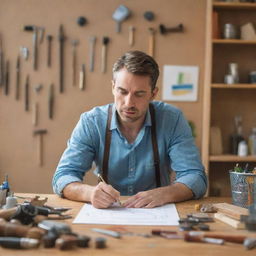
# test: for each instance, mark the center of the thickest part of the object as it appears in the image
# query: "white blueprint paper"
(166, 215)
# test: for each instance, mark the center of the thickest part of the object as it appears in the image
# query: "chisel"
(27, 94)
(92, 40)
(35, 49)
(82, 78)
(6, 88)
(151, 46)
(74, 45)
(105, 42)
(131, 35)
(35, 114)
(61, 58)
(17, 92)
(40, 134)
(50, 101)
(49, 50)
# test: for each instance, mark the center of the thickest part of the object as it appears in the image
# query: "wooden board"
(231, 210)
(230, 221)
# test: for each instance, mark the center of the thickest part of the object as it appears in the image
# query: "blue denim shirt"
(131, 166)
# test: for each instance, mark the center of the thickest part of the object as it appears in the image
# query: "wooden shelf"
(234, 86)
(233, 41)
(234, 6)
(232, 158)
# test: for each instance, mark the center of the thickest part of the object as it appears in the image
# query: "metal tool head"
(249, 243)
(121, 13)
(58, 226)
(40, 131)
(148, 15)
(105, 40)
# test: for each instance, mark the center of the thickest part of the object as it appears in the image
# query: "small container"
(242, 148)
(230, 31)
(243, 188)
(252, 77)
(229, 79)
(252, 142)
(233, 70)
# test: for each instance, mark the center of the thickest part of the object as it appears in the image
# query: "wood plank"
(230, 221)
(232, 158)
(234, 86)
(231, 210)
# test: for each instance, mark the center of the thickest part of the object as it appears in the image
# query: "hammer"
(164, 30)
(40, 144)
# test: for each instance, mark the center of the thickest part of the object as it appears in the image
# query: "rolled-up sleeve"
(77, 157)
(185, 159)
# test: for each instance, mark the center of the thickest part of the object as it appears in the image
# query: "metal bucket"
(243, 188)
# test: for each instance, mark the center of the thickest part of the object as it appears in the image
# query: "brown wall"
(18, 146)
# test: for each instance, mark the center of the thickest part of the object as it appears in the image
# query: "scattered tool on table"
(74, 61)
(19, 243)
(131, 35)
(17, 89)
(82, 77)
(100, 243)
(61, 58)
(250, 220)
(26, 94)
(105, 42)
(164, 30)
(195, 222)
(107, 232)
(49, 50)
(51, 101)
(92, 42)
(120, 14)
(40, 134)
(4, 191)
(60, 235)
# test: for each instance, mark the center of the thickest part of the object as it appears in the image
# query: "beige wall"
(17, 144)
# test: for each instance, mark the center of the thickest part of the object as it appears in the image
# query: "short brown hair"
(138, 63)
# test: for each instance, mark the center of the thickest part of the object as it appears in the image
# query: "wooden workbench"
(136, 245)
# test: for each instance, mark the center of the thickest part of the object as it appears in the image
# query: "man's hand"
(101, 196)
(146, 199)
(104, 195)
(159, 196)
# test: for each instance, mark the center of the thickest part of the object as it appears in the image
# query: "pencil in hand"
(102, 180)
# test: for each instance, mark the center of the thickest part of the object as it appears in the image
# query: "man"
(134, 158)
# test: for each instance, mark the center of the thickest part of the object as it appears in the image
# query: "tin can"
(230, 31)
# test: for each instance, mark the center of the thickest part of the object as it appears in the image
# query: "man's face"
(132, 95)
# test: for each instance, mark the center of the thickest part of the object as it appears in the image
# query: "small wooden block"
(231, 210)
(232, 222)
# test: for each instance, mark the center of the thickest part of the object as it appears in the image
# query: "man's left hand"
(159, 196)
(146, 199)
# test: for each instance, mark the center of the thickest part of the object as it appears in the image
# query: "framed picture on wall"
(180, 83)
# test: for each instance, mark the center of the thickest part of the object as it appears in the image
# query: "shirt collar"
(114, 121)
